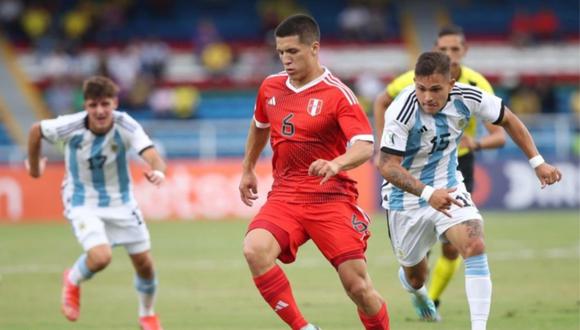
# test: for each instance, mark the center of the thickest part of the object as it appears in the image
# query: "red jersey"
(315, 121)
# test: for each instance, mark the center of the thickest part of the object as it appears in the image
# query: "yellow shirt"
(468, 76)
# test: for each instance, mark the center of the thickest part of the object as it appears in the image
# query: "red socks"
(276, 290)
(378, 322)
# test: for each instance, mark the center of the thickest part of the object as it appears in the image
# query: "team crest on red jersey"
(314, 107)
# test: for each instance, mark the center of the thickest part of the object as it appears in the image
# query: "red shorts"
(339, 229)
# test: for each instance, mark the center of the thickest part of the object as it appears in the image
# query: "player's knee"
(358, 289)
(255, 253)
(99, 257)
(450, 252)
(473, 248)
(99, 260)
(144, 267)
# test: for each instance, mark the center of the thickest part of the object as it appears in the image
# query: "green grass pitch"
(205, 284)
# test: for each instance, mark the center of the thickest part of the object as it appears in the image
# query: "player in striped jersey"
(425, 196)
(97, 192)
(450, 41)
(310, 117)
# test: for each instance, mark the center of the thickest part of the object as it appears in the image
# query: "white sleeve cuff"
(361, 137)
(260, 124)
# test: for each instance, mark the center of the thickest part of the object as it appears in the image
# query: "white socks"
(478, 289)
(146, 291)
(79, 271)
(421, 292)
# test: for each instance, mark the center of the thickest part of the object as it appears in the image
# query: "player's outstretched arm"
(257, 139)
(546, 173)
(156, 174)
(356, 155)
(391, 169)
(34, 163)
(495, 138)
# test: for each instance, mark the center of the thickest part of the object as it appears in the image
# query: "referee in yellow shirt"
(450, 41)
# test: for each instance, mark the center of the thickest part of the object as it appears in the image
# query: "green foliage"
(205, 284)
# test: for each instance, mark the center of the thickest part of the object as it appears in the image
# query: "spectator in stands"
(206, 33)
(575, 101)
(547, 95)
(353, 21)
(575, 105)
(521, 28)
(83, 64)
(367, 86)
(215, 55)
(76, 23)
(186, 99)
(361, 22)
(376, 26)
(36, 22)
(273, 12)
(545, 25)
(154, 55)
(217, 58)
(124, 66)
(523, 100)
(60, 96)
(110, 20)
(540, 26)
(56, 64)
(138, 94)
(10, 11)
(161, 102)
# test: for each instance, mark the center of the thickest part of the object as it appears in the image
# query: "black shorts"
(465, 165)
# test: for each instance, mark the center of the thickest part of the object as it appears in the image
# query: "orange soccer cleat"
(150, 323)
(71, 298)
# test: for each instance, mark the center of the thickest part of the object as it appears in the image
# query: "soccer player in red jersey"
(310, 117)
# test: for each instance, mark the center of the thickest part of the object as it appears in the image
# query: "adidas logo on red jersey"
(272, 101)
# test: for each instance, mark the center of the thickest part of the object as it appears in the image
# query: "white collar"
(310, 84)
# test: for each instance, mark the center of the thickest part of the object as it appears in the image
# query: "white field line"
(570, 252)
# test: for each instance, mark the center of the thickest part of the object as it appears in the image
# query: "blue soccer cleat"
(425, 308)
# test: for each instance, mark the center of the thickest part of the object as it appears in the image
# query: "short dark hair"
(301, 25)
(99, 87)
(451, 30)
(432, 62)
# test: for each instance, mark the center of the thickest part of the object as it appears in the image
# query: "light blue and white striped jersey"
(97, 169)
(428, 143)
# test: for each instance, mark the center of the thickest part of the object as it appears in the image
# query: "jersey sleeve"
(400, 83)
(138, 139)
(490, 109)
(58, 129)
(354, 122)
(260, 115)
(49, 129)
(397, 123)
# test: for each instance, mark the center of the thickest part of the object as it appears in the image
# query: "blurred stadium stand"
(189, 70)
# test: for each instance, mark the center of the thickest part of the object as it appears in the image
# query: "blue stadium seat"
(226, 105)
